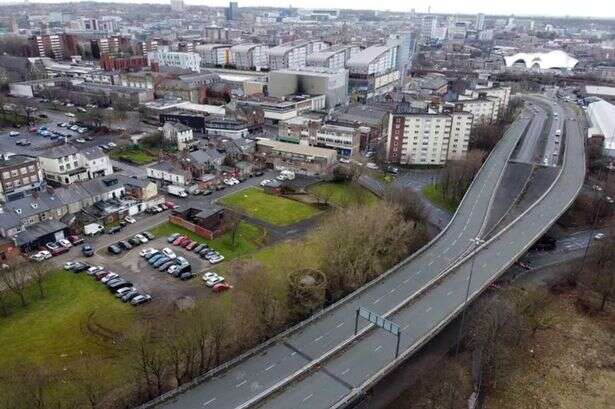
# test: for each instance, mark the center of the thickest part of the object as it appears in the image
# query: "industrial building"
(294, 54)
(333, 57)
(332, 83)
(601, 116)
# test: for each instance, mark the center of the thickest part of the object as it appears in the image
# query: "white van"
(69, 114)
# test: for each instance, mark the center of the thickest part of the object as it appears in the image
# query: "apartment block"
(373, 71)
(335, 57)
(20, 176)
(250, 56)
(294, 55)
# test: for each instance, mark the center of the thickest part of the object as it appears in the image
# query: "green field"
(272, 209)
(434, 194)
(343, 194)
(248, 238)
(55, 331)
(133, 154)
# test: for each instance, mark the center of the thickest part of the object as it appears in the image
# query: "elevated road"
(255, 376)
(342, 379)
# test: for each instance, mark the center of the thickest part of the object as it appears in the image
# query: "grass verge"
(343, 194)
(434, 194)
(133, 154)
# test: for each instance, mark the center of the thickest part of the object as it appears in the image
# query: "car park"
(114, 249)
(119, 293)
(149, 235)
(87, 250)
(109, 277)
(141, 238)
(125, 245)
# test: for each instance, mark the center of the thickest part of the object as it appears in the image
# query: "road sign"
(379, 321)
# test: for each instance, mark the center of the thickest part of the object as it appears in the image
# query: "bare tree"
(232, 222)
(409, 202)
(16, 280)
(39, 273)
(531, 304)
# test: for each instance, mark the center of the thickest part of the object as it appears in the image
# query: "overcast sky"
(597, 8)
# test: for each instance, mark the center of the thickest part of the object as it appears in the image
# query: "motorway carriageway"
(344, 376)
(256, 376)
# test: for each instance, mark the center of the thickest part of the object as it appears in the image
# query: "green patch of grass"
(52, 331)
(133, 154)
(434, 194)
(343, 194)
(248, 238)
(269, 208)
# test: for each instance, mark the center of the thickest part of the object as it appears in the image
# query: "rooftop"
(296, 149)
(365, 57)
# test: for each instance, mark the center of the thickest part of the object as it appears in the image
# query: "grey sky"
(597, 8)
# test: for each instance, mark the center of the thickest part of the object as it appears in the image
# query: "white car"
(599, 236)
(65, 243)
(234, 181)
(216, 259)
(40, 256)
(146, 252)
(112, 145)
(208, 275)
(344, 160)
(80, 140)
(94, 269)
(13, 133)
(265, 182)
(130, 219)
(120, 293)
(228, 182)
(70, 264)
(109, 277)
(372, 165)
(169, 253)
(214, 280)
(141, 238)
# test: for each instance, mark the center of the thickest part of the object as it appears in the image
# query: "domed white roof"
(552, 59)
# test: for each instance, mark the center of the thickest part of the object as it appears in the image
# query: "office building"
(232, 13)
(332, 83)
(480, 22)
(428, 28)
(177, 6)
(172, 59)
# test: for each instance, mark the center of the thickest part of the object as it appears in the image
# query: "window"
(31, 168)
(25, 180)
(14, 173)
(23, 170)
(6, 175)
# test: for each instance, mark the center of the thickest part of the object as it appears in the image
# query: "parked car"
(216, 259)
(134, 241)
(52, 246)
(170, 205)
(141, 299)
(149, 256)
(599, 236)
(75, 240)
(149, 235)
(187, 276)
(187, 243)
(65, 243)
(101, 274)
(141, 238)
(199, 248)
(146, 252)
(155, 258)
(220, 287)
(40, 255)
(109, 277)
(161, 261)
(125, 245)
(87, 250)
(119, 293)
(113, 230)
(114, 249)
(168, 252)
(172, 237)
(116, 285)
(178, 240)
(79, 267)
(94, 269)
(214, 280)
(130, 295)
(130, 219)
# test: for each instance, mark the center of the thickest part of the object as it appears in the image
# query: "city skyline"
(589, 8)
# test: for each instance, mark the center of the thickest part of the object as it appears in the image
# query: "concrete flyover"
(324, 338)
(342, 380)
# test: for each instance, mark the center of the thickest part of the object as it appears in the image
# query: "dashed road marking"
(428, 309)
(345, 371)
(269, 367)
(240, 384)
(340, 324)
(378, 348)
(209, 401)
(307, 397)
(377, 300)
(318, 339)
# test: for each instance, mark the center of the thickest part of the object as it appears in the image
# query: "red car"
(170, 205)
(184, 241)
(75, 240)
(221, 287)
(179, 240)
(191, 246)
(187, 243)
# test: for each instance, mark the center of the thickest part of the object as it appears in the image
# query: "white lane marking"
(430, 263)
(340, 324)
(393, 290)
(209, 401)
(269, 367)
(418, 273)
(345, 371)
(318, 339)
(377, 301)
(428, 309)
(406, 280)
(445, 250)
(449, 293)
(307, 397)
(406, 327)
(240, 384)
(293, 354)
(454, 242)
(378, 348)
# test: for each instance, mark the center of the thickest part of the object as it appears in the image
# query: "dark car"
(114, 249)
(160, 261)
(187, 276)
(149, 235)
(258, 172)
(78, 267)
(149, 256)
(129, 295)
(198, 248)
(155, 258)
(113, 230)
(119, 284)
(204, 252)
(75, 240)
(125, 245)
(164, 266)
(134, 241)
(87, 250)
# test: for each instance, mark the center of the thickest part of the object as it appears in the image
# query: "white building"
(486, 109)
(601, 116)
(169, 173)
(374, 71)
(429, 24)
(250, 56)
(334, 57)
(344, 139)
(556, 59)
(294, 55)
(332, 83)
(179, 134)
(214, 54)
(424, 138)
(164, 57)
(65, 164)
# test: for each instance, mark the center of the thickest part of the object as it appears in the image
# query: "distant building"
(166, 58)
(56, 46)
(306, 160)
(178, 134)
(479, 25)
(294, 55)
(249, 56)
(373, 71)
(429, 25)
(232, 13)
(214, 54)
(169, 173)
(128, 63)
(601, 116)
(335, 57)
(177, 6)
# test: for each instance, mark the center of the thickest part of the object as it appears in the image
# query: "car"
(149, 235)
(79, 267)
(220, 287)
(170, 204)
(228, 182)
(65, 243)
(187, 276)
(134, 241)
(168, 252)
(94, 269)
(141, 238)
(161, 261)
(13, 133)
(599, 236)
(178, 240)
(148, 251)
(130, 295)
(99, 276)
(372, 165)
(80, 140)
(184, 242)
(125, 245)
(52, 246)
(210, 253)
(203, 253)
(597, 188)
(214, 280)
(141, 299)
(150, 255)
(119, 293)
(109, 277)
(112, 145)
(163, 206)
(87, 250)
(344, 160)
(113, 230)
(116, 285)
(73, 127)
(165, 265)
(265, 182)
(130, 219)
(216, 259)
(198, 248)
(234, 181)
(155, 258)
(172, 237)
(40, 255)
(75, 239)
(114, 249)
(187, 243)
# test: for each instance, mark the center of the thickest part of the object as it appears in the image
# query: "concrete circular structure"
(552, 60)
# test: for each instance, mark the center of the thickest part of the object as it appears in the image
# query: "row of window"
(26, 180)
(14, 172)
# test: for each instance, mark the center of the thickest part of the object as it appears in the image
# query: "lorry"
(178, 191)
(92, 229)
